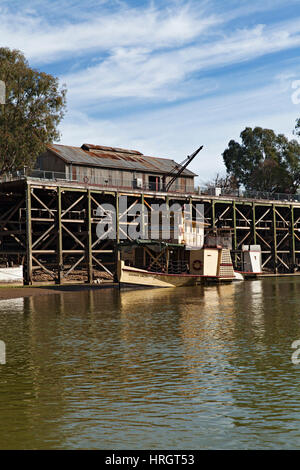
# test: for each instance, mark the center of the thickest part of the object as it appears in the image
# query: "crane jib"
(179, 168)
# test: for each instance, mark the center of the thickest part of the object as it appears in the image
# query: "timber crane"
(179, 168)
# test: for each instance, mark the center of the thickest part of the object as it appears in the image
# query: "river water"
(192, 368)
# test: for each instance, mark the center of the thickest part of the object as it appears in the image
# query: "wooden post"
(143, 231)
(117, 219)
(234, 233)
(213, 210)
(59, 239)
(167, 259)
(293, 246)
(274, 238)
(168, 222)
(117, 254)
(253, 223)
(28, 274)
(89, 238)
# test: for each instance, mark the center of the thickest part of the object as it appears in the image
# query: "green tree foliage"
(297, 127)
(34, 107)
(264, 161)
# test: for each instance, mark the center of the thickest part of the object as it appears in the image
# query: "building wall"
(48, 161)
(103, 176)
(123, 178)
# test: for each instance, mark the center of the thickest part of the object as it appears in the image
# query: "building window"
(154, 183)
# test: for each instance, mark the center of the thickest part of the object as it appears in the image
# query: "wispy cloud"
(142, 72)
(147, 52)
(127, 27)
(163, 76)
(177, 131)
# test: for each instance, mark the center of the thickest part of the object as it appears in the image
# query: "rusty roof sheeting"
(115, 158)
(111, 149)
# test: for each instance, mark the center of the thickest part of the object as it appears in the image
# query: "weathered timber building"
(48, 219)
(113, 167)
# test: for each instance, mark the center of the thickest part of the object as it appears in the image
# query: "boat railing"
(178, 267)
(174, 267)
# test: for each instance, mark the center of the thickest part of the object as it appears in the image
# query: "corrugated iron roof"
(112, 157)
(111, 149)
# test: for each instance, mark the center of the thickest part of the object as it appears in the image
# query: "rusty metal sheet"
(111, 157)
(113, 149)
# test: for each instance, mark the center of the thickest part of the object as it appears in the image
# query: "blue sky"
(164, 77)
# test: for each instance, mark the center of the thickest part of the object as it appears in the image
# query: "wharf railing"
(247, 194)
(44, 175)
(111, 182)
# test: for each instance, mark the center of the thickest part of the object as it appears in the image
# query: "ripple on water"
(192, 368)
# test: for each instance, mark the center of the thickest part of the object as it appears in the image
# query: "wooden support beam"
(234, 233)
(223, 213)
(89, 238)
(12, 233)
(9, 214)
(167, 259)
(72, 205)
(293, 241)
(59, 278)
(282, 218)
(42, 203)
(143, 231)
(243, 239)
(263, 240)
(7, 232)
(28, 271)
(253, 223)
(147, 204)
(297, 236)
(51, 273)
(102, 266)
(262, 217)
(266, 261)
(282, 262)
(79, 242)
(42, 237)
(282, 240)
(73, 252)
(241, 214)
(274, 238)
(24, 252)
(213, 215)
(117, 219)
(75, 265)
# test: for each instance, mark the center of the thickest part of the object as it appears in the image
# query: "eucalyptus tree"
(264, 161)
(34, 106)
(297, 127)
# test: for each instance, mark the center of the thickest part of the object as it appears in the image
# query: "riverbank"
(17, 291)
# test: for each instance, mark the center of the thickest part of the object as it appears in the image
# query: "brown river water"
(192, 368)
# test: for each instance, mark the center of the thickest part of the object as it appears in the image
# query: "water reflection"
(198, 367)
(12, 305)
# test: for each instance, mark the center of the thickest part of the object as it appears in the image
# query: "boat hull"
(129, 276)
